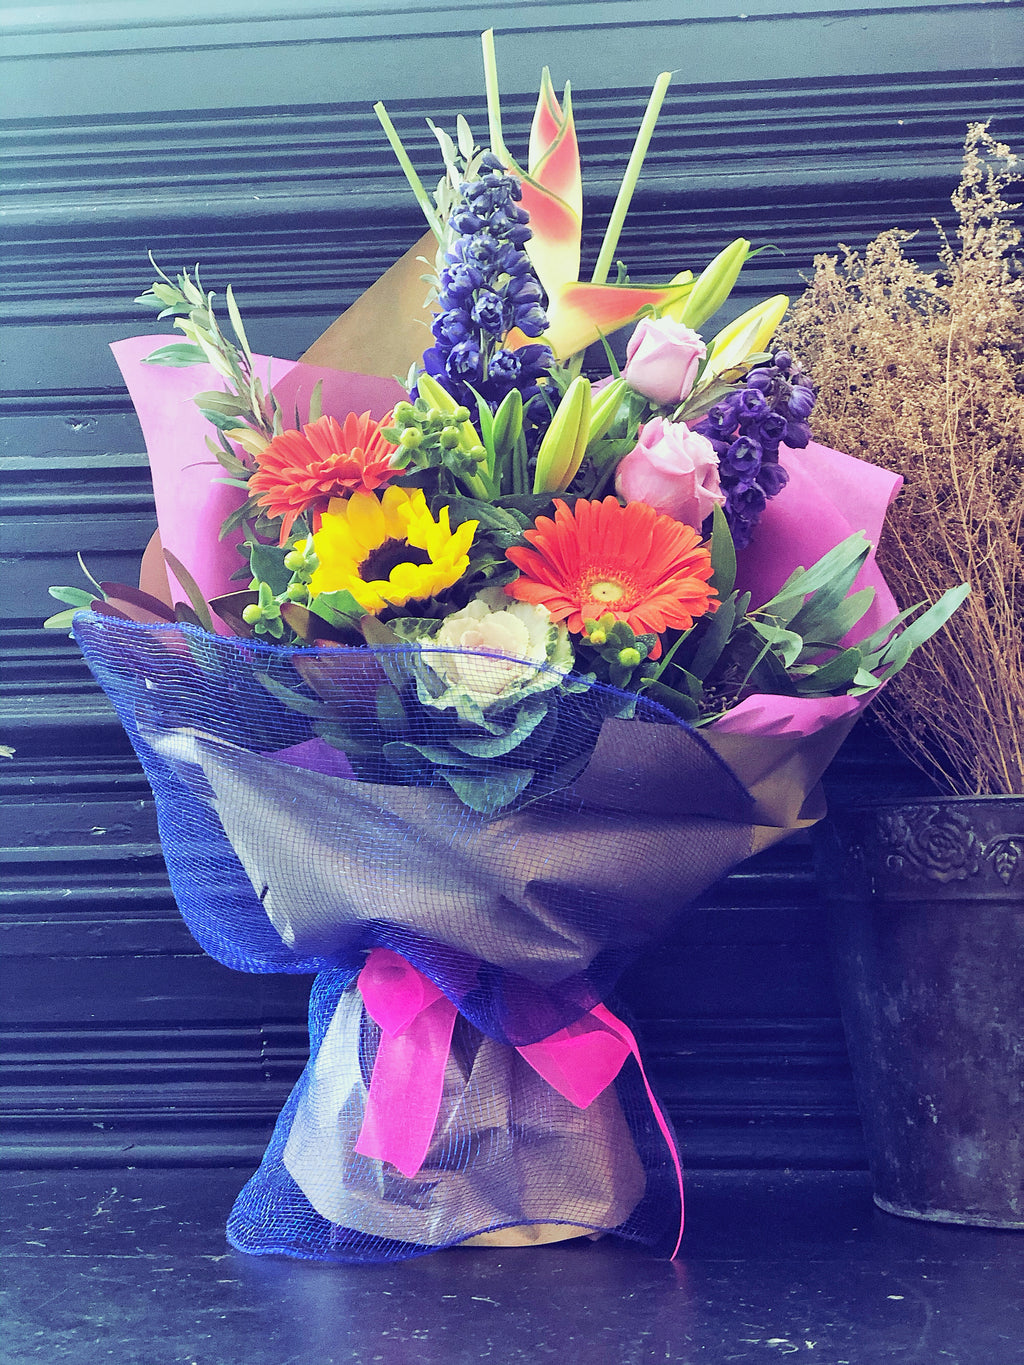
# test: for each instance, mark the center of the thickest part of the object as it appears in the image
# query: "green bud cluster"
(264, 615)
(435, 431)
(618, 646)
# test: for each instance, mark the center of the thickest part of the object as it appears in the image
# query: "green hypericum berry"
(629, 658)
(252, 613)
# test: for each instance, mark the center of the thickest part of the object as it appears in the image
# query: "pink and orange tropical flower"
(632, 562)
(578, 313)
(301, 471)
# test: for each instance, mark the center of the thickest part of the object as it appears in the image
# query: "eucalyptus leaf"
(786, 643)
(831, 628)
(788, 601)
(899, 650)
(176, 356)
(61, 620)
(75, 597)
(833, 677)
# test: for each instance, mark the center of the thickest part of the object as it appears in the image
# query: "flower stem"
(416, 185)
(493, 99)
(625, 195)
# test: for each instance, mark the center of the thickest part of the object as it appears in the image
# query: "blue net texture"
(317, 804)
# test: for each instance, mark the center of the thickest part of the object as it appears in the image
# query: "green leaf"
(267, 565)
(723, 554)
(490, 794)
(899, 650)
(788, 601)
(830, 628)
(61, 620)
(834, 677)
(226, 403)
(236, 323)
(75, 597)
(528, 717)
(714, 639)
(338, 608)
(391, 715)
(295, 701)
(787, 644)
(198, 601)
(222, 421)
(176, 356)
(681, 705)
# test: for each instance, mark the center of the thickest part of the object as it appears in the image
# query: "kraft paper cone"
(387, 329)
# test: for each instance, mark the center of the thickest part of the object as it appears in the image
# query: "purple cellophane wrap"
(289, 853)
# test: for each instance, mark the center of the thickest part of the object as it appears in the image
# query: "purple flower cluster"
(746, 429)
(487, 288)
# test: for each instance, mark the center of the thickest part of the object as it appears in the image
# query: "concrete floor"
(131, 1268)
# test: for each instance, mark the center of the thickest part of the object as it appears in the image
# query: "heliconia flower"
(630, 562)
(390, 550)
(578, 313)
(301, 471)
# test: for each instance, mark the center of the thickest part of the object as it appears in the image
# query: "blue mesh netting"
(312, 807)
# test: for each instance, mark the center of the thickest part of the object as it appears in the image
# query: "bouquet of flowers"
(457, 691)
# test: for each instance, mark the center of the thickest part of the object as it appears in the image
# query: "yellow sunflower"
(388, 550)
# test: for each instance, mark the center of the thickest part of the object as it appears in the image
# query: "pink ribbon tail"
(416, 1021)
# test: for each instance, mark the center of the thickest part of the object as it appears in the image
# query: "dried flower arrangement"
(923, 372)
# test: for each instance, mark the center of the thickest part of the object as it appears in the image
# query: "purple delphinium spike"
(746, 429)
(487, 288)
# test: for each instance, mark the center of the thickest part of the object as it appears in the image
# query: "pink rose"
(662, 359)
(674, 470)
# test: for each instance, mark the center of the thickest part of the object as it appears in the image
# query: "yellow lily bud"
(565, 441)
(747, 335)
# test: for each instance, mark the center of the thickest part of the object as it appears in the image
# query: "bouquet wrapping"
(472, 730)
(478, 952)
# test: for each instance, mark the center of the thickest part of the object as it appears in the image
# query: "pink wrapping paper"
(829, 496)
(190, 504)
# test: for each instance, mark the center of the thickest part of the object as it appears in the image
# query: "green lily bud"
(714, 284)
(508, 421)
(565, 441)
(438, 397)
(604, 409)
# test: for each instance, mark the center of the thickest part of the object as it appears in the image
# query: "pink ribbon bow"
(416, 1021)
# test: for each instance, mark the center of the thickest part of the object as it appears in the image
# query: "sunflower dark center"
(379, 562)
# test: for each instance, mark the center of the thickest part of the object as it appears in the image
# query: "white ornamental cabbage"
(533, 652)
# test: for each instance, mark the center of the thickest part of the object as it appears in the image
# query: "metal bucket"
(927, 911)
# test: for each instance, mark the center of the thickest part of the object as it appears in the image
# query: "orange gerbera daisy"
(641, 566)
(300, 471)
